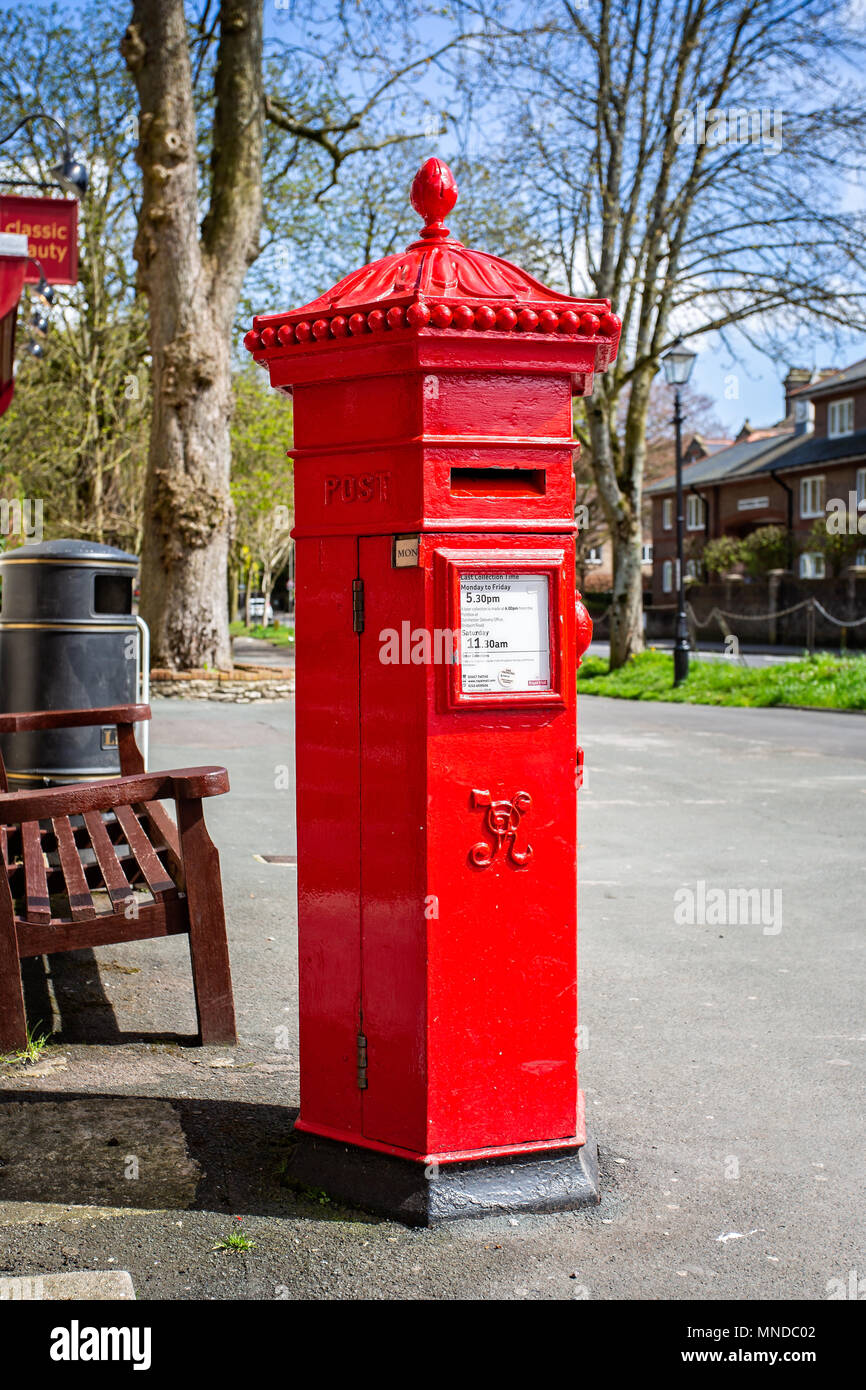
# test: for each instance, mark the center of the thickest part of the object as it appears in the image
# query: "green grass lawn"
(824, 682)
(277, 636)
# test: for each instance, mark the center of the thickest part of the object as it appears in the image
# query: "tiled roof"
(735, 459)
(712, 446)
(810, 449)
(849, 376)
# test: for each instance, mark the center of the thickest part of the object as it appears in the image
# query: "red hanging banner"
(51, 228)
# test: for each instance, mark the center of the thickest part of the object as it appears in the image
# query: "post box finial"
(433, 195)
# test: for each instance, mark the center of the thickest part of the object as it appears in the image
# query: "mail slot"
(437, 639)
(502, 482)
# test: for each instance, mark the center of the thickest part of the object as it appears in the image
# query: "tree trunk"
(626, 617)
(248, 593)
(193, 282)
(619, 481)
(267, 585)
(234, 588)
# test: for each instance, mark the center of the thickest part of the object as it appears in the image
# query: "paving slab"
(77, 1285)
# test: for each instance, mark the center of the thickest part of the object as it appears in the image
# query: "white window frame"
(668, 577)
(691, 569)
(861, 485)
(667, 514)
(646, 553)
(595, 555)
(695, 512)
(813, 565)
(840, 418)
(809, 508)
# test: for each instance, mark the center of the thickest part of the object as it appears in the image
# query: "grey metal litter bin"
(68, 640)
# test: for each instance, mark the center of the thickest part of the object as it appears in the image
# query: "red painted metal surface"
(12, 271)
(436, 823)
(583, 628)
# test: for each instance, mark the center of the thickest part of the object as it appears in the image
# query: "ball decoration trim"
(482, 318)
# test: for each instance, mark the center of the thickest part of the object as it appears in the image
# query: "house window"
(695, 512)
(812, 565)
(812, 496)
(667, 513)
(691, 569)
(861, 485)
(860, 558)
(667, 576)
(840, 417)
(646, 554)
(594, 555)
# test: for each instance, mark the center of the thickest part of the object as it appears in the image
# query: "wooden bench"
(94, 863)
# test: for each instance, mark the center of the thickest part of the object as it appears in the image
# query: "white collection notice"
(504, 632)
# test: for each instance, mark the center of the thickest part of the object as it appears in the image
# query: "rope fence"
(723, 617)
(812, 606)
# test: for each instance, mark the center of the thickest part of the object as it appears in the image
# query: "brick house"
(599, 565)
(784, 475)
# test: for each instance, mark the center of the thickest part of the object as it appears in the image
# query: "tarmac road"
(722, 1063)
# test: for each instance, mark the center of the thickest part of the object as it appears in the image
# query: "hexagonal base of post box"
(542, 1181)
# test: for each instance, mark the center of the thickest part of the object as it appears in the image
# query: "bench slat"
(166, 828)
(37, 902)
(158, 880)
(118, 885)
(77, 888)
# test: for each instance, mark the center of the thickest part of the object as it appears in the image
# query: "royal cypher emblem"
(501, 824)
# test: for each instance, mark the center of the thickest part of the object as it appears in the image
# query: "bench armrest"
(183, 784)
(72, 718)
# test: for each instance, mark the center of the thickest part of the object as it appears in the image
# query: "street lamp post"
(678, 362)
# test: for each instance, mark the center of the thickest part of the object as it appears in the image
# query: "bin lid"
(437, 285)
(70, 552)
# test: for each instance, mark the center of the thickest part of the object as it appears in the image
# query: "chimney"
(797, 377)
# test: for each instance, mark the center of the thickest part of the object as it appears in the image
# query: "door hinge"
(358, 605)
(362, 1062)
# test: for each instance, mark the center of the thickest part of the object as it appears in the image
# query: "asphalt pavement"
(723, 1044)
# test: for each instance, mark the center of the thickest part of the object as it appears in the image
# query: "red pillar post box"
(437, 641)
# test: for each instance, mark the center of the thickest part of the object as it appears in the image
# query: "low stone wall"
(241, 686)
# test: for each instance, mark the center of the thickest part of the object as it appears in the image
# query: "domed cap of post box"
(436, 287)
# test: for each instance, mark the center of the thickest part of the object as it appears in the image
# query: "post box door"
(468, 961)
(329, 840)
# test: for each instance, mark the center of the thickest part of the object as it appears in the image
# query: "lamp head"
(43, 291)
(71, 174)
(677, 363)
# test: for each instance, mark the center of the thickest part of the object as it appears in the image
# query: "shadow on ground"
(80, 1011)
(140, 1152)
